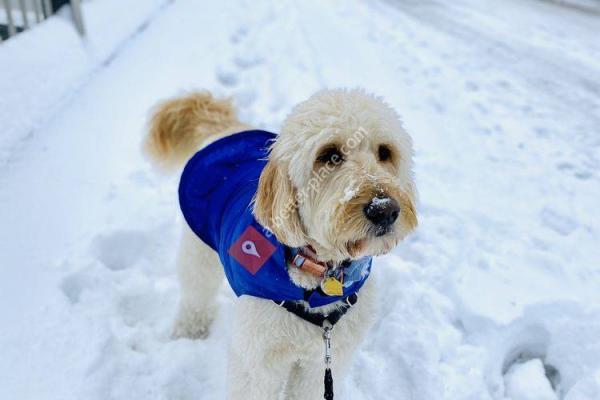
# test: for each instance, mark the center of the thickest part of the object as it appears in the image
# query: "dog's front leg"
(306, 378)
(260, 358)
(306, 381)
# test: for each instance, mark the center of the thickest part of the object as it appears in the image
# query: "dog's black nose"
(382, 212)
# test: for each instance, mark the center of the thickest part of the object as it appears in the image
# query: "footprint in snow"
(471, 86)
(559, 223)
(144, 307)
(525, 372)
(583, 175)
(227, 76)
(245, 97)
(120, 250)
(74, 285)
(245, 60)
(87, 279)
(568, 167)
(239, 35)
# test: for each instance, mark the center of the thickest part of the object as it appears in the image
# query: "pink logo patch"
(251, 250)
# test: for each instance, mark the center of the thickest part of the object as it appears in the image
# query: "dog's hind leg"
(200, 276)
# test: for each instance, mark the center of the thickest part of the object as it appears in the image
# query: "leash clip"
(327, 328)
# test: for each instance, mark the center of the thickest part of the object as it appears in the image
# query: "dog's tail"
(181, 126)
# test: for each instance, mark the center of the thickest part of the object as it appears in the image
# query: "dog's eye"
(330, 155)
(384, 153)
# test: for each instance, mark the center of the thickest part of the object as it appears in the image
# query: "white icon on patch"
(249, 248)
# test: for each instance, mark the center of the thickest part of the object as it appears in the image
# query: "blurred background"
(495, 296)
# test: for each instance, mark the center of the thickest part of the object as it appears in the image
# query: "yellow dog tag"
(332, 287)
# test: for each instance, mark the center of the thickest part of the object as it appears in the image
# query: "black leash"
(326, 322)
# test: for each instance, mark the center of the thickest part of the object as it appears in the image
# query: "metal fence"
(19, 15)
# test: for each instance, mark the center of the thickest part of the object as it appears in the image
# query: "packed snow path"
(496, 296)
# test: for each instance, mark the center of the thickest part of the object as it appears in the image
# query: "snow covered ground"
(496, 296)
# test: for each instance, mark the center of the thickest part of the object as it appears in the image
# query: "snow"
(349, 193)
(494, 297)
(39, 82)
(379, 202)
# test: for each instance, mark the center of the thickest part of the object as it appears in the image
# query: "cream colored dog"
(337, 153)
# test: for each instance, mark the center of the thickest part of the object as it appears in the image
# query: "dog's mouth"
(379, 231)
(359, 247)
(378, 240)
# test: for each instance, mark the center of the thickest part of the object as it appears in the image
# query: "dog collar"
(304, 259)
(333, 277)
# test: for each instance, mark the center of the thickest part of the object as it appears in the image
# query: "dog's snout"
(382, 212)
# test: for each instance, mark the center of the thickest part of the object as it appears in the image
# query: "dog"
(335, 186)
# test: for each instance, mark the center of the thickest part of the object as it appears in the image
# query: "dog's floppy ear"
(275, 205)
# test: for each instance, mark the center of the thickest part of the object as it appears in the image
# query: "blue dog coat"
(215, 194)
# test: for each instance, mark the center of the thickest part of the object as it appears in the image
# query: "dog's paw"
(189, 332)
(192, 324)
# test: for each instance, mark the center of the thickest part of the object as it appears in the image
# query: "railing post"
(37, 8)
(47, 8)
(24, 14)
(9, 18)
(77, 16)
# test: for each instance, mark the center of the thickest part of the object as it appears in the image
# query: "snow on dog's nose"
(382, 212)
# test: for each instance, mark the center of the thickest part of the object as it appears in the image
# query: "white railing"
(19, 15)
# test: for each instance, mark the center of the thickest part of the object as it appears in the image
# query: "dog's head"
(339, 177)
